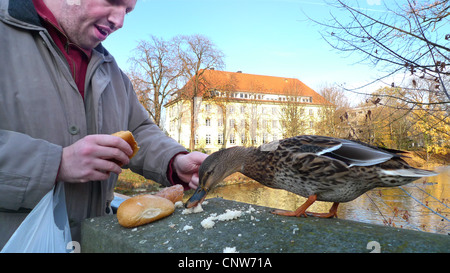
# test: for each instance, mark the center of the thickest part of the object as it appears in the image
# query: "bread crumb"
(187, 227)
(250, 209)
(228, 215)
(195, 209)
(230, 250)
(208, 222)
(178, 204)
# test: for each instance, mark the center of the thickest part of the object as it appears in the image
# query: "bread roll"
(143, 209)
(173, 193)
(128, 137)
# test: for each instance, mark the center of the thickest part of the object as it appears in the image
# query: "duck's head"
(214, 169)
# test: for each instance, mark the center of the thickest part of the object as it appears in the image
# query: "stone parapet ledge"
(253, 230)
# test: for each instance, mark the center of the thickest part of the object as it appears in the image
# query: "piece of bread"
(128, 137)
(143, 209)
(174, 193)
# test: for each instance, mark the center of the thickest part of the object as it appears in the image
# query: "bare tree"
(292, 114)
(197, 54)
(410, 37)
(155, 74)
(330, 123)
(220, 92)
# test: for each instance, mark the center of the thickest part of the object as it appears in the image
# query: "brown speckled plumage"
(330, 169)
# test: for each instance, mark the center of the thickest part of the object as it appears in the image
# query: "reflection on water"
(423, 205)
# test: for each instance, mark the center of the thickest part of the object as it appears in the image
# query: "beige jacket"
(41, 111)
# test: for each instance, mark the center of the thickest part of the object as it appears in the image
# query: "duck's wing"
(347, 151)
(356, 154)
(307, 144)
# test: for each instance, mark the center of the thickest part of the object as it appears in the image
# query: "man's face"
(89, 22)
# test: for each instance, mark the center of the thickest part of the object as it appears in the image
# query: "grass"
(130, 183)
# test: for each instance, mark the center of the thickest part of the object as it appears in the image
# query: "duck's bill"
(197, 198)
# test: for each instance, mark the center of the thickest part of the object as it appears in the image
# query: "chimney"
(239, 71)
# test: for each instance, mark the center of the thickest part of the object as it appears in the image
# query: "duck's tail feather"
(412, 172)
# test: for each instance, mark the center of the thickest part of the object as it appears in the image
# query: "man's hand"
(92, 158)
(187, 165)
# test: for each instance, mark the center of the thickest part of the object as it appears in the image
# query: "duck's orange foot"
(332, 213)
(322, 215)
(288, 213)
(301, 211)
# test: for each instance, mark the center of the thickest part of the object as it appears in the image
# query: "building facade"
(238, 109)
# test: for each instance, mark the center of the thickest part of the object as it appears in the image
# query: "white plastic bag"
(46, 229)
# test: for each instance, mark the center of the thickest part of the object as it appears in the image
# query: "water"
(423, 205)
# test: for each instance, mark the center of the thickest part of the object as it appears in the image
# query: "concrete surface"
(255, 231)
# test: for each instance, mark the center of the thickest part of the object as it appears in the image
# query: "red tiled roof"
(243, 82)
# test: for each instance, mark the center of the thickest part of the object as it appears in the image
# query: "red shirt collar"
(45, 13)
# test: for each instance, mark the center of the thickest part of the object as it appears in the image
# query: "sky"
(264, 37)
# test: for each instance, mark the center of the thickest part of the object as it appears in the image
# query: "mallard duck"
(316, 167)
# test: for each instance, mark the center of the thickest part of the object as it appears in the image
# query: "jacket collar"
(23, 10)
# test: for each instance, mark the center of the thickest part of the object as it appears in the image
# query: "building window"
(208, 107)
(220, 139)
(208, 138)
(311, 112)
(311, 124)
(242, 109)
(232, 123)
(196, 140)
(243, 139)
(232, 139)
(208, 122)
(254, 140)
(274, 124)
(220, 122)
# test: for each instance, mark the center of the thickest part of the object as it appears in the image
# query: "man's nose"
(116, 18)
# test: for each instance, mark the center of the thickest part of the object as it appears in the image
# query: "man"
(62, 95)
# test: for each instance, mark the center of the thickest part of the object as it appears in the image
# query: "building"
(235, 108)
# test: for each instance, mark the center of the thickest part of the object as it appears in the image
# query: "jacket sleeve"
(156, 149)
(28, 169)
